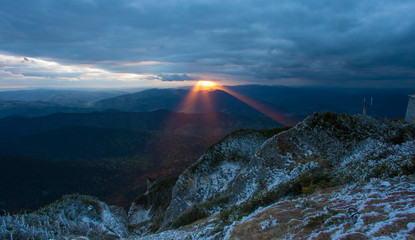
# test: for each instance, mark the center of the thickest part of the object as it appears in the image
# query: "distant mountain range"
(63, 97)
(173, 99)
(295, 102)
(41, 102)
(292, 101)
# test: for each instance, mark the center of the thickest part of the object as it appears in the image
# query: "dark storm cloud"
(175, 77)
(322, 42)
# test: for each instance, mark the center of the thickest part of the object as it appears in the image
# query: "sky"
(147, 43)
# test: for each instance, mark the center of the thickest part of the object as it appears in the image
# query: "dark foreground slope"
(106, 154)
(330, 177)
(27, 183)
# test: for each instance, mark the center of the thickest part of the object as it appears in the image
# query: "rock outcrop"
(147, 212)
(70, 217)
(249, 169)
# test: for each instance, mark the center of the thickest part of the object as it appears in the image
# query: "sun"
(200, 100)
(206, 85)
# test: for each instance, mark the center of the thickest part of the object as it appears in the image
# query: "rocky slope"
(378, 209)
(246, 171)
(70, 217)
(331, 176)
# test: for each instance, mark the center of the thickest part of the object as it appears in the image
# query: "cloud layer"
(336, 43)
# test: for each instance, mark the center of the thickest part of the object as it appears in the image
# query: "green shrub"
(203, 210)
(319, 220)
(191, 215)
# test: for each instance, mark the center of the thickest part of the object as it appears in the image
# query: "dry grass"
(344, 212)
(354, 236)
(321, 214)
(369, 219)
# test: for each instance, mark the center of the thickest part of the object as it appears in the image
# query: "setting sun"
(206, 85)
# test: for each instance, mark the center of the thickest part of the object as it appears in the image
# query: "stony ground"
(379, 209)
(383, 209)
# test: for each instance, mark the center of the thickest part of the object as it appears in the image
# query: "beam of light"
(189, 102)
(261, 107)
(198, 101)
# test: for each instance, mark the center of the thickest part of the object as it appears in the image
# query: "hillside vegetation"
(332, 176)
(106, 154)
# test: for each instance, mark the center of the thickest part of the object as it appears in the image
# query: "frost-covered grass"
(378, 159)
(323, 151)
(293, 183)
(245, 170)
(210, 175)
(203, 230)
(378, 209)
(70, 217)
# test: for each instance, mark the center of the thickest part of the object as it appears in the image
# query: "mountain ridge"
(390, 103)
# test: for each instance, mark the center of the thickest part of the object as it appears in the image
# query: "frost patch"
(268, 224)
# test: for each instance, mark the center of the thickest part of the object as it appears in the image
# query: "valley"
(106, 154)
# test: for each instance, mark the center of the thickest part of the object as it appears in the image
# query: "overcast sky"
(148, 43)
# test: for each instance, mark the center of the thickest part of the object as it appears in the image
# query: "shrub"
(191, 215)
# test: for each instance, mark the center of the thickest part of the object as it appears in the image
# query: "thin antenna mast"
(364, 106)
